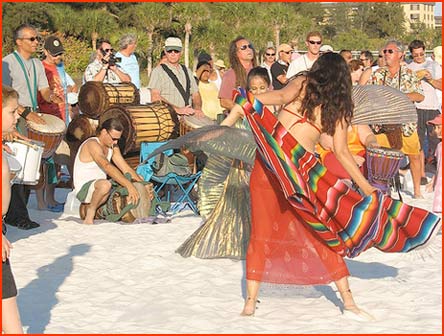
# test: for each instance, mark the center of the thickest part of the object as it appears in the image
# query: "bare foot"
(351, 310)
(249, 307)
(89, 217)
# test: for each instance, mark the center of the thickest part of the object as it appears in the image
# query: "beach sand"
(120, 278)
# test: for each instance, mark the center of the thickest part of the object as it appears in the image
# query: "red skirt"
(282, 248)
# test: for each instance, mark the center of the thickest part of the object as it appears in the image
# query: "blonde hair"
(7, 94)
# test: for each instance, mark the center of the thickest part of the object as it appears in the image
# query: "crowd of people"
(309, 96)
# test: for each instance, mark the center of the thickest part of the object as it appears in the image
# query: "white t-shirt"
(431, 100)
(299, 64)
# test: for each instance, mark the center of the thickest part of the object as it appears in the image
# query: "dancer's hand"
(6, 248)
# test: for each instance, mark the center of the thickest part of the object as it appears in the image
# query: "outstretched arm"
(344, 156)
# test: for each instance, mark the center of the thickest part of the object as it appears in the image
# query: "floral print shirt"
(404, 80)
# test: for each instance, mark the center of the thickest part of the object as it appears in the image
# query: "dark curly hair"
(329, 85)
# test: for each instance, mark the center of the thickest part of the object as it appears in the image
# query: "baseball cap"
(54, 46)
(436, 121)
(326, 48)
(173, 43)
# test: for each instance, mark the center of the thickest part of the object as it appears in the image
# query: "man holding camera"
(104, 68)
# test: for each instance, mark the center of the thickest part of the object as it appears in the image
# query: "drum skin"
(96, 97)
(144, 123)
(51, 133)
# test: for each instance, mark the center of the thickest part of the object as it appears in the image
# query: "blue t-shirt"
(131, 67)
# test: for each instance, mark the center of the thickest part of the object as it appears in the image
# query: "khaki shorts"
(410, 145)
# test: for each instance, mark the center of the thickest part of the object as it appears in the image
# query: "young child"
(11, 323)
(437, 178)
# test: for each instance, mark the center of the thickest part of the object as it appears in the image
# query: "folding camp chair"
(185, 184)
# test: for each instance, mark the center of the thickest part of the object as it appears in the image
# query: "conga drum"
(382, 165)
(96, 97)
(144, 123)
(51, 133)
(191, 122)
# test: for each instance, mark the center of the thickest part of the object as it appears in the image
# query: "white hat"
(173, 43)
(220, 63)
(326, 48)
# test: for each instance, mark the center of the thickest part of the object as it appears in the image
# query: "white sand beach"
(120, 278)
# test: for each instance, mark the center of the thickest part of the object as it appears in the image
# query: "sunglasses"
(114, 139)
(245, 46)
(380, 56)
(418, 55)
(315, 42)
(173, 51)
(390, 51)
(270, 54)
(108, 50)
(363, 59)
(287, 52)
(32, 39)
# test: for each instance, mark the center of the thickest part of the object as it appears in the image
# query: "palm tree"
(149, 17)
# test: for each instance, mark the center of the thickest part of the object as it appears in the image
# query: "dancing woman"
(304, 220)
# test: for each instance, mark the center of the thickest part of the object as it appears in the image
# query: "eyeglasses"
(363, 59)
(390, 51)
(287, 52)
(32, 39)
(270, 54)
(173, 51)
(315, 42)
(418, 55)
(108, 50)
(114, 139)
(245, 46)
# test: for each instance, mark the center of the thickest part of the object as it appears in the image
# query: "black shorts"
(9, 288)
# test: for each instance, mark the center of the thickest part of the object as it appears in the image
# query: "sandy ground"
(116, 278)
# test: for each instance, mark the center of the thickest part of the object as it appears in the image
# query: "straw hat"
(220, 63)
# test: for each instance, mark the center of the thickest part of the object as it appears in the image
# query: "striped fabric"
(347, 222)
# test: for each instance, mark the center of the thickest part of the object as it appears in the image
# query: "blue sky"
(438, 9)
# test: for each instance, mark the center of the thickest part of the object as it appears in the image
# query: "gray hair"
(398, 44)
(126, 40)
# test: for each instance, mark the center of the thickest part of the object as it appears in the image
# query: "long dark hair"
(239, 71)
(329, 85)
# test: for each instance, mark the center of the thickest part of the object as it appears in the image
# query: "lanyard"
(32, 96)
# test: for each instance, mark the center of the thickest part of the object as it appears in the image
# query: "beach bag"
(176, 163)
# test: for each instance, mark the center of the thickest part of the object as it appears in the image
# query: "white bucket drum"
(29, 155)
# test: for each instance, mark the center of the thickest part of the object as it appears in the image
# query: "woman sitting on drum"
(92, 165)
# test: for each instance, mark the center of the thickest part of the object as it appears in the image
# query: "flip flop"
(56, 208)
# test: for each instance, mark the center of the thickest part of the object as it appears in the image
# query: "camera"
(112, 58)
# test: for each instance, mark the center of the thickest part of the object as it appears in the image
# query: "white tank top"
(87, 171)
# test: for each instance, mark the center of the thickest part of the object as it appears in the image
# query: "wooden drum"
(51, 133)
(144, 123)
(96, 97)
(191, 122)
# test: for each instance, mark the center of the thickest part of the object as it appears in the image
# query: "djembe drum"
(117, 208)
(383, 165)
(96, 97)
(51, 133)
(144, 123)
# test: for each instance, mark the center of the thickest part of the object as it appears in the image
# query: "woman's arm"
(344, 156)
(236, 113)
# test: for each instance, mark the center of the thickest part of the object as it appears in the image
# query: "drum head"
(54, 125)
(128, 139)
(92, 99)
(196, 122)
(79, 129)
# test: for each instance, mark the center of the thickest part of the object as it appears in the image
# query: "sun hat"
(173, 43)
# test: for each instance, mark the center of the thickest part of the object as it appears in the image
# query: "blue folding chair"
(185, 184)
